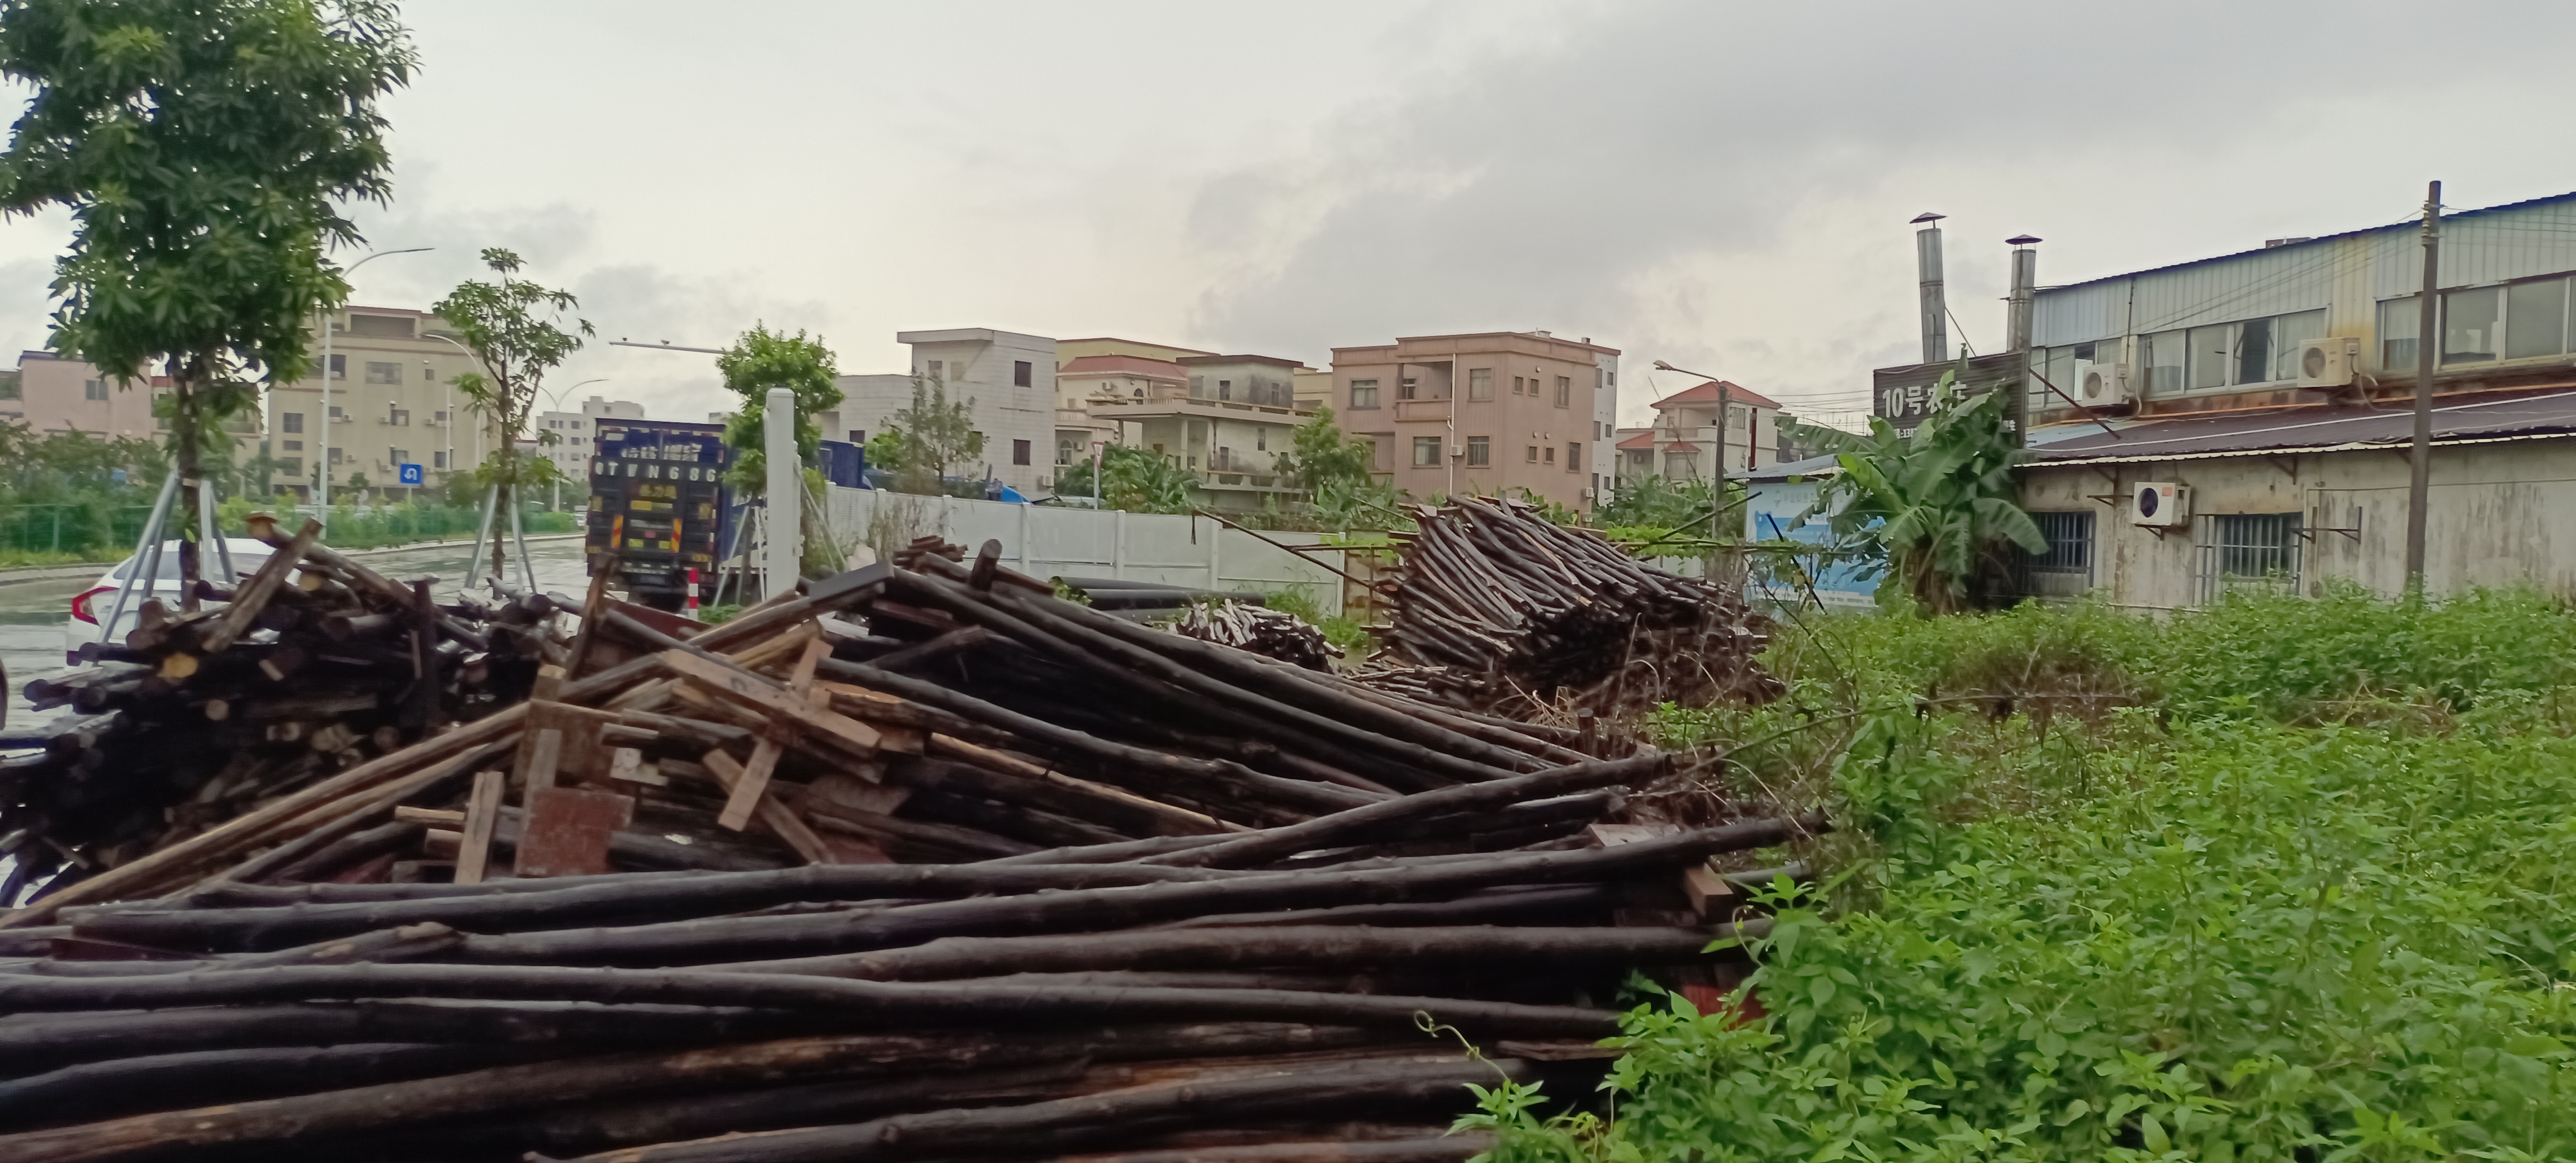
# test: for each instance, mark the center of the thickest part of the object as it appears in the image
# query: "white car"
(95, 604)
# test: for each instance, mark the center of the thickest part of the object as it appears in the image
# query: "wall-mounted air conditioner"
(2328, 362)
(2160, 504)
(2101, 385)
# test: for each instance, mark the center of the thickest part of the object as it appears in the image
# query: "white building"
(575, 435)
(1008, 377)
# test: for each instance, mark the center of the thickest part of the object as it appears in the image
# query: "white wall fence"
(1049, 541)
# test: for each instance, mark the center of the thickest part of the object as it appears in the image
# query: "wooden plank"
(579, 753)
(568, 831)
(773, 700)
(548, 756)
(1708, 891)
(407, 814)
(747, 791)
(253, 598)
(482, 815)
(780, 818)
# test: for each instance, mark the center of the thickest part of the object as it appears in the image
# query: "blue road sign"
(410, 474)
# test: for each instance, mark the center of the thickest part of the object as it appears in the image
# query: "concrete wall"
(2499, 513)
(1049, 541)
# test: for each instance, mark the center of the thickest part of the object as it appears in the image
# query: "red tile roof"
(1707, 394)
(1130, 364)
(1645, 439)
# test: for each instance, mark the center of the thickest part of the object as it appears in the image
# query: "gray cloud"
(1617, 181)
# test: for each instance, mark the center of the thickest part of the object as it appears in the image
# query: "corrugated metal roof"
(2526, 415)
(2406, 224)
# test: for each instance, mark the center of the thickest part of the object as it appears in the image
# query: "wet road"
(33, 614)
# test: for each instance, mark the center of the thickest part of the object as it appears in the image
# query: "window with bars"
(2247, 550)
(2066, 570)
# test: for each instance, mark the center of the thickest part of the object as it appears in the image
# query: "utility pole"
(2419, 481)
(2023, 303)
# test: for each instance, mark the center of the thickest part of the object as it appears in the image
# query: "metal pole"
(474, 564)
(527, 570)
(784, 493)
(151, 540)
(2419, 480)
(208, 529)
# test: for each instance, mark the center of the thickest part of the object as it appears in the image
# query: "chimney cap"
(2021, 240)
(1926, 216)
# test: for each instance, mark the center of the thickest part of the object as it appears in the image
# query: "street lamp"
(1725, 407)
(322, 492)
(556, 502)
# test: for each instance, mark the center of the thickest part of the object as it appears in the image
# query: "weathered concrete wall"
(2501, 514)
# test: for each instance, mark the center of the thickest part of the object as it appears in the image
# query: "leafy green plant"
(1938, 501)
(205, 150)
(1319, 456)
(1138, 480)
(932, 433)
(2229, 919)
(760, 360)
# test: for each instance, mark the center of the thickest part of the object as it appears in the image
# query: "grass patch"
(2292, 889)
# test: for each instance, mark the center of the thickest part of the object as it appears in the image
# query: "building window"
(339, 367)
(426, 374)
(290, 421)
(1480, 449)
(936, 371)
(1198, 387)
(1020, 448)
(398, 455)
(336, 455)
(1551, 454)
(2401, 322)
(1573, 457)
(93, 389)
(292, 445)
(2250, 549)
(1225, 389)
(1533, 454)
(438, 459)
(2535, 317)
(1564, 391)
(1408, 387)
(398, 417)
(858, 436)
(2070, 543)
(1480, 383)
(1261, 440)
(1021, 375)
(383, 373)
(1516, 385)
(1426, 451)
(2469, 321)
(339, 415)
(2213, 350)
(1363, 393)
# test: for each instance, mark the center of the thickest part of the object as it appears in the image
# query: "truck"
(658, 506)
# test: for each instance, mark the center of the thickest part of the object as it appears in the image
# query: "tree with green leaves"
(1138, 480)
(1938, 502)
(518, 331)
(1319, 455)
(937, 433)
(760, 360)
(885, 449)
(204, 149)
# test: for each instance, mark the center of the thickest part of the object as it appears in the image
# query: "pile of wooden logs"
(915, 862)
(1498, 609)
(313, 664)
(1269, 633)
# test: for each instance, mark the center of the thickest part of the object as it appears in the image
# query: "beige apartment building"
(391, 401)
(1227, 420)
(1486, 413)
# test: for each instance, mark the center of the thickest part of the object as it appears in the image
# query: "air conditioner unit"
(2328, 362)
(2101, 385)
(2161, 504)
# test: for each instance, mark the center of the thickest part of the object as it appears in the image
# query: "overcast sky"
(1721, 185)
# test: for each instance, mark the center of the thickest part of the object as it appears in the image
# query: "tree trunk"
(184, 423)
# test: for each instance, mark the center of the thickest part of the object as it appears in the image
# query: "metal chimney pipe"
(1936, 309)
(2025, 292)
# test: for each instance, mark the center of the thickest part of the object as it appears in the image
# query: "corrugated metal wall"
(2478, 248)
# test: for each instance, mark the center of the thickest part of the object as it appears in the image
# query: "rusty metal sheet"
(568, 830)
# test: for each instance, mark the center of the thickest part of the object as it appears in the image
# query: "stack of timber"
(1269, 633)
(311, 665)
(1497, 609)
(1047, 884)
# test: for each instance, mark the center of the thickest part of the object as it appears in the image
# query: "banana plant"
(1936, 503)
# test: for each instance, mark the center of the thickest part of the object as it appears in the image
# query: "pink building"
(66, 395)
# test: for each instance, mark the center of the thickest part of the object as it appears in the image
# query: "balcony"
(1434, 411)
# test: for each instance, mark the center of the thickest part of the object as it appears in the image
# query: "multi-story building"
(2244, 420)
(1685, 439)
(66, 395)
(1008, 377)
(1069, 350)
(1227, 421)
(1086, 383)
(1483, 413)
(575, 434)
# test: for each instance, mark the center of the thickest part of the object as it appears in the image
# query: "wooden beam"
(482, 815)
(771, 700)
(780, 818)
(747, 791)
